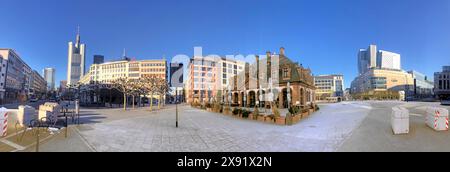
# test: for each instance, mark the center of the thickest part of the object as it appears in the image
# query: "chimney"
(282, 51)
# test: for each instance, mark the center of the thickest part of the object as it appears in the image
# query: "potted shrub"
(255, 114)
(217, 107)
(269, 118)
(280, 120)
(245, 113)
(288, 120)
(236, 111)
(208, 107)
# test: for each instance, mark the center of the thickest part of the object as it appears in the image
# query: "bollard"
(37, 140)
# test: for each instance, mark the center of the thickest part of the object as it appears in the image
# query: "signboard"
(176, 74)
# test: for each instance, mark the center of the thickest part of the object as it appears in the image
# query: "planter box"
(268, 119)
(296, 119)
(305, 115)
(311, 111)
(250, 116)
(280, 121)
(261, 118)
(209, 109)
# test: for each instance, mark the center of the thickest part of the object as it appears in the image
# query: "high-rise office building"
(388, 60)
(99, 59)
(367, 59)
(49, 76)
(370, 58)
(76, 61)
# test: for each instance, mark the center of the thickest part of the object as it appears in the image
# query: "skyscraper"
(49, 76)
(76, 61)
(99, 59)
(371, 58)
(367, 59)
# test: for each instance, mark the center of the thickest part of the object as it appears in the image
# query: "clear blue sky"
(324, 35)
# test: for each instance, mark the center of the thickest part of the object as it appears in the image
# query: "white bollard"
(77, 107)
(400, 120)
(25, 114)
(437, 118)
(3, 122)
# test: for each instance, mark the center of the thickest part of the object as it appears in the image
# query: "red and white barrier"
(437, 118)
(3, 122)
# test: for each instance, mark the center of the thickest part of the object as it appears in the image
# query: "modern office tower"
(329, 87)
(15, 76)
(49, 76)
(371, 58)
(383, 75)
(367, 59)
(422, 88)
(442, 83)
(388, 60)
(76, 61)
(99, 59)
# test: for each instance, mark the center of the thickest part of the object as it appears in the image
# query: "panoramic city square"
(226, 76)
(348, 126)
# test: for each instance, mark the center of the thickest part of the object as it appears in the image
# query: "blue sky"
(324, 35)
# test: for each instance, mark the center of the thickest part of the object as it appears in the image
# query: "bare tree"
(162, 88)
(124, 85)
(150, 87)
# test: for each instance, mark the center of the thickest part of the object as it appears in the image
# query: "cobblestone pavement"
(204, 131)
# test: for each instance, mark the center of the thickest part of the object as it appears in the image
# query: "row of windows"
(204, 63)
(203, 74)
(152, 70)
(444, 84)
(153, 64)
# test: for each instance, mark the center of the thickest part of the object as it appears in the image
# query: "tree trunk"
(124, 101)
(133, 100)
(151, 102)
(159, 102)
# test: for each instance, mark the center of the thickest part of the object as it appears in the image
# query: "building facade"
(111, 71)
(383, 76)
(15, 80)
(370, 58)
(273, 79)
(99, 59)
(76, 61)
(329, 87)
(388, 60)
(422, 87)
(49, 76)
(382, 80)
(38, 85)
(208, 76)
(62, 86)
(442, 83)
